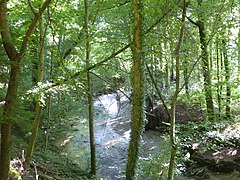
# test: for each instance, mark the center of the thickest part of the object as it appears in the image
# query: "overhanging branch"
(32, 27)
(113, 55)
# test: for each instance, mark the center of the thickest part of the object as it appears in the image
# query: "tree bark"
(219, 93)
(205, 65)
(138, 93)
(89, 92)
(166, 57)
(48, 123)
(9, 106)
(185, 75)
(174, 100)
(227, 78)
(38, 108)
(238, 53)
(15, 72)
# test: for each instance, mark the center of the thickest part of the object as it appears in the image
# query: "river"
(112, 132)
(112, 115)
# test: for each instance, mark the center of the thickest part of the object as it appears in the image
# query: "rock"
(201, 173)
(226, 160)
(157, 116)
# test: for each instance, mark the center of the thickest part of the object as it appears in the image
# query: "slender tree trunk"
(49, 107)
(167, 79)
(218, 79)
(211, 55)
(205, 66)
(159, 67)
(185, 75)
(227, 78)
(35, 63)
(15, 72)
(138, 92)
(221, 77)
(48, 123)
(172, 77)
(90, 99)
(173, 104)
(238, 54)
(38, 108)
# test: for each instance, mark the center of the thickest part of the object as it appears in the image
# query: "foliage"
(110, 29)
(205, 136)
(59, 168)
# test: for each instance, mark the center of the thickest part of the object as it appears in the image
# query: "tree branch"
(31, 7)
(75, 43)
(156, 23)
(120, 50)
(5, 33)
(117, 5)
(193, 22)
(32, 27)
(107, 58)
(158, 92)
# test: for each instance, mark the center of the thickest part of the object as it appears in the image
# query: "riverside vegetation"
(171, 70)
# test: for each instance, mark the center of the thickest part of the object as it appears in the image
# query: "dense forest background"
(176, 61)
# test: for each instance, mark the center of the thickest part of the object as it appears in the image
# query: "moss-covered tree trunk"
(138, 92)
(38, 109)
(90, 98)
(205, 65)
(9, 106)
(15, 58)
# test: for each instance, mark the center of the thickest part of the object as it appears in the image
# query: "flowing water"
(112, 133)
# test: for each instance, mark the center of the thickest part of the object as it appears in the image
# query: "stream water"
(112, 132)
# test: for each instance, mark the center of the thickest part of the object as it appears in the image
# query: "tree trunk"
(219, 93)
(9, 106)
(8, 118)
(227, 78)
(48, 123)
(90, 99)
(38, 108)
(173, 104)
(15, 72)
(138, 93)
(185, 75)
(238, 54)
(49, 105)
(205, 66)
(172, 77)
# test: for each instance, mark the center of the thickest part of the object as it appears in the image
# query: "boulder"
(226, 160)
(157, 117)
